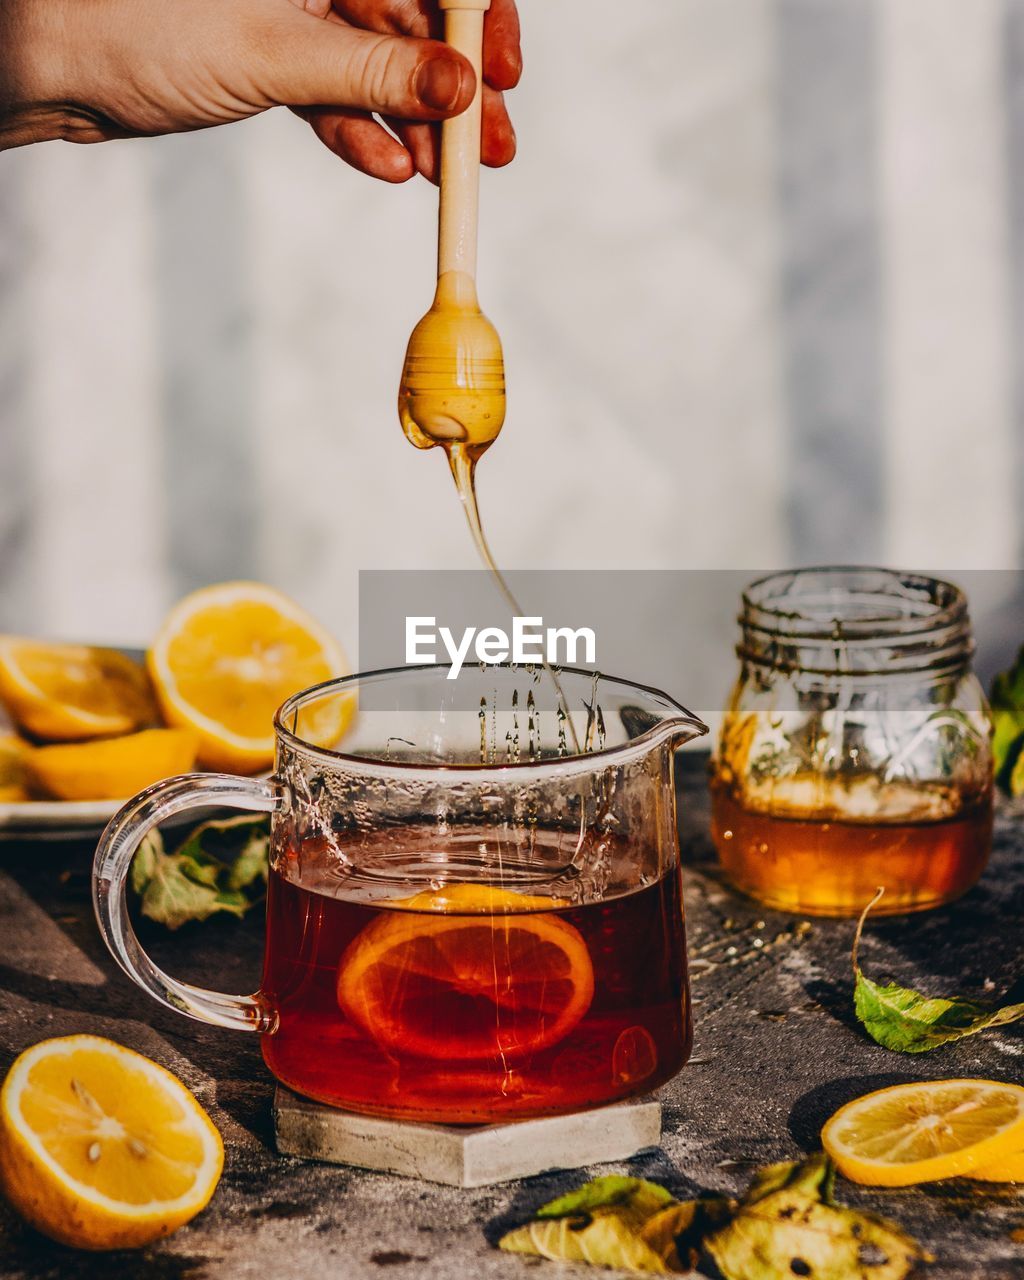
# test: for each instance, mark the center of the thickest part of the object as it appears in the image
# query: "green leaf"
(902, 1019)
(1008, 686)
(633, 1195)
(906, 1021)
(173, 897)
(252, 862)
(1007, 742)
(222, 839)
(200, 869)
(145, 861)
(794, 1231)
(1007, 702)
(207, 874)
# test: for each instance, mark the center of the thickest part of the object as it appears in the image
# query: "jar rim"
(851, 619)
(916, 601)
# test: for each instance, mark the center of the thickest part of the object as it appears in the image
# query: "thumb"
(309, 62)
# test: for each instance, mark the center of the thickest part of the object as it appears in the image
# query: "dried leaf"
(676, 1234)
(906, 1021)
(791, 1232)
(599, 1223)
(786, 1225)
(208, 873)
(813, 1177)
(603, 1239)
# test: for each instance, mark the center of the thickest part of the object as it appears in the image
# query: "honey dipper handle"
(460, 147)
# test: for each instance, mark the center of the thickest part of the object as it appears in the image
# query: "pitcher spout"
(685, 728)
(662, 720)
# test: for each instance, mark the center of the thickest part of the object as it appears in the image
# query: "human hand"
(122, 68)
(357, 138)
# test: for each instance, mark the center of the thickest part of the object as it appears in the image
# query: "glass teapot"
(468, 919)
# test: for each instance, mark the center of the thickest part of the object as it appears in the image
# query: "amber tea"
(466, 1002)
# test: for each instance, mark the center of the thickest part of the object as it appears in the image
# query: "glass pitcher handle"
(117, 846)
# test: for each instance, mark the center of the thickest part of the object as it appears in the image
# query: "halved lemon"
(468, 973)
(100, 1148)
(13, 774)
(113, 768)
(1008, 1168)
(922, 1132)
(69, 692)
(225, 659)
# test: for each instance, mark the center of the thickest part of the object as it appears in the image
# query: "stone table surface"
(776, 1051)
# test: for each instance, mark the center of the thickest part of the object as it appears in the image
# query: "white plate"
(56, 819)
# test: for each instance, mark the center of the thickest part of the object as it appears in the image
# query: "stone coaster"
(464, 1157)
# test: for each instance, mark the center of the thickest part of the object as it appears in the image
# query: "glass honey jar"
(855, 751)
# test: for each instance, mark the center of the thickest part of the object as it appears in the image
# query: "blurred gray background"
(759, 271)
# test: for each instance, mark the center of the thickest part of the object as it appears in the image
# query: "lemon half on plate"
(224, 660)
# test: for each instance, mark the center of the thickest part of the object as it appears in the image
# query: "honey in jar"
(855, 751)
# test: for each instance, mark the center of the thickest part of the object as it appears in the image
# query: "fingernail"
(439, 83)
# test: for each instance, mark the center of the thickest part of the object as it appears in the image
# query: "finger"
(360, 141)
(503, 56)
(423, 143)
(303, 61)
(318, 8)
(420, 18)
(497, 138)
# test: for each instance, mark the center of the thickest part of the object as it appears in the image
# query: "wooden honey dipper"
(453, 381)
